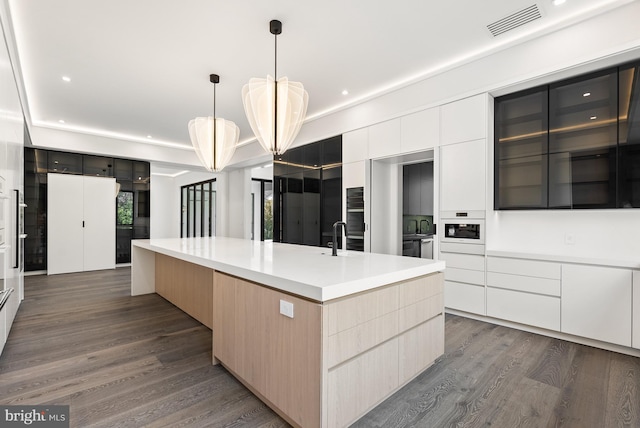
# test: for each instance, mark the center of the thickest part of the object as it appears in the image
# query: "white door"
(64, 223)
(99, 223)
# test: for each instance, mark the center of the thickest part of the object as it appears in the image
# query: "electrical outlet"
(569, 239)
(286, 308)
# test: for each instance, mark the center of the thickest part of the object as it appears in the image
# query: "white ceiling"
(141, 67)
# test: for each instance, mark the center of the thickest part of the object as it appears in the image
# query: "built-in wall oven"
(463, 230)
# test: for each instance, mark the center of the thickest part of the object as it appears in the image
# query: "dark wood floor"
(81, 340)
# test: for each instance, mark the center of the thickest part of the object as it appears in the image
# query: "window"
(198, 202)
(262, 208)
(124, 209)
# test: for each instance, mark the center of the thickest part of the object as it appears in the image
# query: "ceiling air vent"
(515, 20)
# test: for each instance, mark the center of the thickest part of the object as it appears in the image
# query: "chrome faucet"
(426, 230)
(334, 246)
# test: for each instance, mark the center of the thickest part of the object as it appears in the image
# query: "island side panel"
(143, 271)
(186, 285)
(277, 357)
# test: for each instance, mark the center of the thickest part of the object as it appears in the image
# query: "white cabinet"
(384, 139)
(464, 120)
(80, 223)
(355, 145)
(464, 288)
(596, 303)
(353, 174)
(463, 176)
(635, 342)
(420, 131)
(524, 291)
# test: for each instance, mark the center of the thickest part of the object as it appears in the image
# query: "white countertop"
(306, 271)
(628, 264)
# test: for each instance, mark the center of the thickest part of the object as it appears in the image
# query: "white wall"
(47, 138)
(165, 200)
(602, 234)
(386, 208)
(239, 203)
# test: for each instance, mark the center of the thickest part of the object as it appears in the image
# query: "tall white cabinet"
(81, 221)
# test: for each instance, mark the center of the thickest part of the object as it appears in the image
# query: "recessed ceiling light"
(557, 2)
(586, 94)
(345, 92)
(593, 117)
(61, 121)
(66, 78)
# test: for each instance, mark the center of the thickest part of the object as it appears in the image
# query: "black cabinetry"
(570, 144)
(521, 148)
(308, 193)
(417, 189)
(133, 203)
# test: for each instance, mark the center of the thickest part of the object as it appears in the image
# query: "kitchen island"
(320, 339)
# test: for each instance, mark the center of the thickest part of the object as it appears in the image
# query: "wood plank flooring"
(122, 361)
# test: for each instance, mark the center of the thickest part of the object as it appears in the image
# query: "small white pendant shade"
(214, 153)
(259, 99)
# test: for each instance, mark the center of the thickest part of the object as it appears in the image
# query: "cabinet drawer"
(464, 297)
(464, 275)
(463, 261)
(524, 308)
(528, 284)
(533, 268)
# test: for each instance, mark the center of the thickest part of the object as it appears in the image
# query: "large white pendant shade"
(214, 139)
(275, 111)
(214, 148)
(275, 107)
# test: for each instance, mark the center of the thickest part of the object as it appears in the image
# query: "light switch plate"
(286, 308)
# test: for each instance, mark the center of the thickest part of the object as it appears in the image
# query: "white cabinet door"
(384, 139)
(99, 223)
(596, 303)
(65, 236)
(464, 120)
(463, 176)
(636, 310)
(355, 145)
(420, 131)
(80, 223)
(353, 174)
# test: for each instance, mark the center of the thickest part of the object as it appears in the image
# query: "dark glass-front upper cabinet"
(583, 136)
(68, 163)
(629, 138)
(521, 137)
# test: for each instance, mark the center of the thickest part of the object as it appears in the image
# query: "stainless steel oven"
(463, 230)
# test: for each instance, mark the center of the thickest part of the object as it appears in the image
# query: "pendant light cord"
(275, 87)
(215, 144)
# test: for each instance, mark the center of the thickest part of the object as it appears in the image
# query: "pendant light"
(213, 138)
(275, 107)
